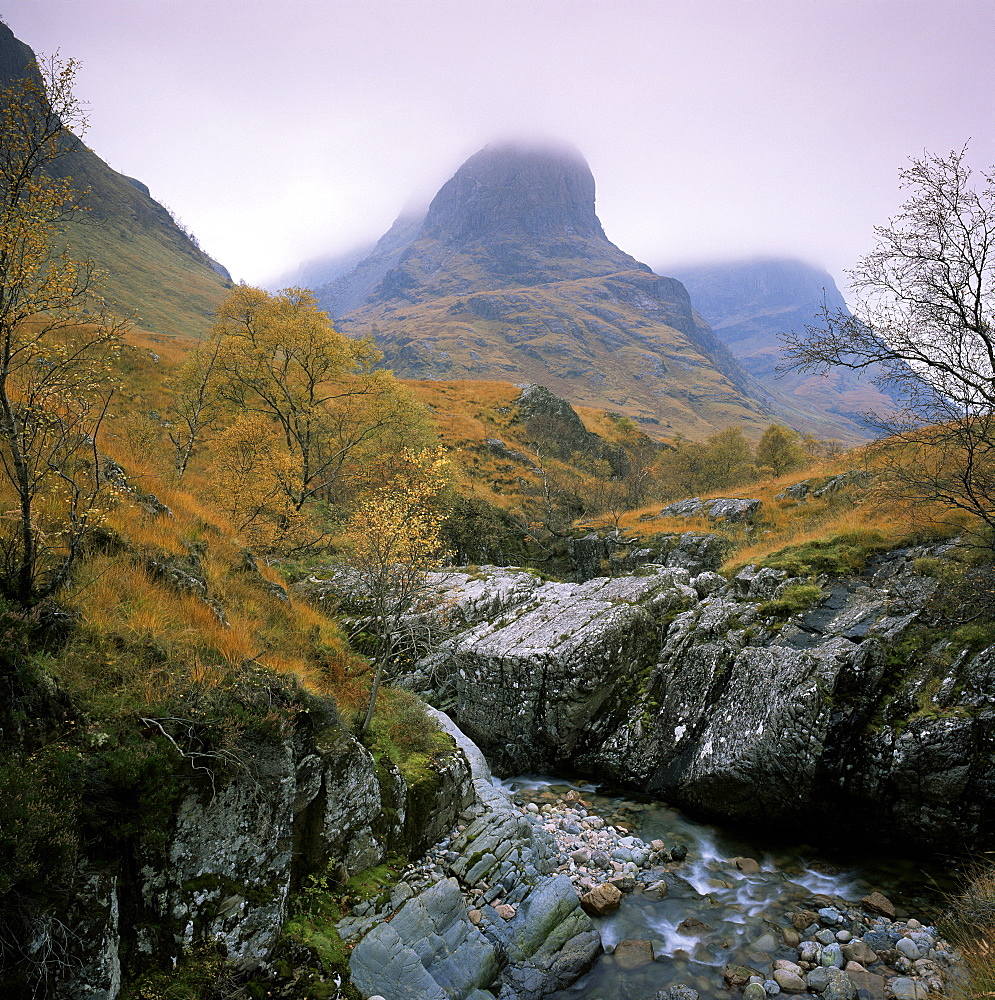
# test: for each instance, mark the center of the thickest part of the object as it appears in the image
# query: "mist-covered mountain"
(749, 303)
(153, 266)
(509, 275)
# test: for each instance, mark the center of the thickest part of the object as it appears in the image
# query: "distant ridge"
(748, 303)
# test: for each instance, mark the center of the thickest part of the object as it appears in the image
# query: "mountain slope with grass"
(153, 268)
(509, 275)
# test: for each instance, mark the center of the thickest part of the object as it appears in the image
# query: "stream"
(742, 915)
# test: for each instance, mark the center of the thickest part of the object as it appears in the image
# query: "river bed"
(715, 914)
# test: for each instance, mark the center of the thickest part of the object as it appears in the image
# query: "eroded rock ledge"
(693, 688)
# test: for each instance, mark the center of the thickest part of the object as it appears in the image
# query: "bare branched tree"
(924, 325)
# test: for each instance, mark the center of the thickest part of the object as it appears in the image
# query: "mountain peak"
(532, 190)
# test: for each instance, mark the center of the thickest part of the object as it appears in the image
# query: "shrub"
(969, 925)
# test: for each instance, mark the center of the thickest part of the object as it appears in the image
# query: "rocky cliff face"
(685, 685)
(509, 275)
(234, 844)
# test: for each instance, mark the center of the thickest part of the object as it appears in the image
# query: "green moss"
(795, 598)
(837, 555)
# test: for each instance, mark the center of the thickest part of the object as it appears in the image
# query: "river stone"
(789, 981)
(880, 939)
(765, 943)
(831, 955)
(875, 902)
(754, 991)
(678, 992)
(624, 883)
(693, 927)
(818, 979)
(771, 988)
(829, 916)
(748, 866)
(601, 900)
(825, 936)
(808, 951)
(737, 976)
(859, 951)
(630, 955)
(907, 947)
(803, 919)
(791, 937)
(870, 986)
(840, 987)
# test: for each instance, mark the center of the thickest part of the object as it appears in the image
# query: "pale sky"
(281, 131)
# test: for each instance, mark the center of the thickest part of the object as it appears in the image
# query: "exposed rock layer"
(688, 687)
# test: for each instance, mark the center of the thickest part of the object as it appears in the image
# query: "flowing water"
(743, 914)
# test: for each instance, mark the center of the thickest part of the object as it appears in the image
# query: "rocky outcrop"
(720, 696)
(720, 509)
(492, 916)
(237, 839)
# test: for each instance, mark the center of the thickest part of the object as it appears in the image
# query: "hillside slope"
(153, 268)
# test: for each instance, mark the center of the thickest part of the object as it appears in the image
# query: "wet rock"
(907, 947)
(903, 988)
(831, 955)
(430, 941)
(633, 954)
(678, 853)
(602, 900)
(678, 992)
(748, 866)
(624, 884)
(737, 976)
(754, 991)
(868, 984)
(790, 982)
(765, 943)
(803, 919)
(693, 927)
(858, 951)
(875, 902)
(839, 987)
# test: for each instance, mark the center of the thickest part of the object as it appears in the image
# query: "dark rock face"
(679, 685)
(234, 843)
(519, 191)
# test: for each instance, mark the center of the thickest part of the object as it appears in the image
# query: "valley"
(487, 622)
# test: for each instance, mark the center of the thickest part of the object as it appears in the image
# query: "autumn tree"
(780, 450)
(57, 344)
(318, 409)
(924, 323)
(196, 407)
(690, 467)
(729, 459)
(393, 542)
